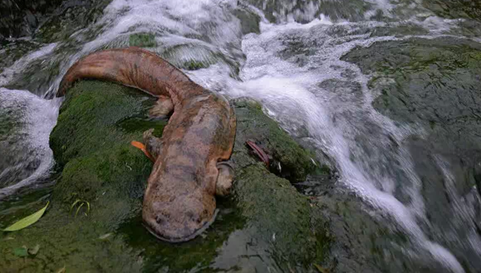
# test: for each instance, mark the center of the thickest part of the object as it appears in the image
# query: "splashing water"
(294, 69)
(26, 153)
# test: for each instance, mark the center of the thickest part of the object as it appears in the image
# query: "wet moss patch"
(264, 224)
(194, 65)
(295, 162)
(142, 40)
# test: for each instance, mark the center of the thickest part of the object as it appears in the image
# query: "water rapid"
(291, 60)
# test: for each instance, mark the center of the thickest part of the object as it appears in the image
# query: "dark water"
(386, 90)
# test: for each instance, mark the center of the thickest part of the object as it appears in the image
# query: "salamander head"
(179, 219)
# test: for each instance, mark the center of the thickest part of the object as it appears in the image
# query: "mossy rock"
(433, 85)
(12, 121)
(13, 50)
(264, 224)
(142, 40)
(253, 125)
(69, 17)
(455, 8)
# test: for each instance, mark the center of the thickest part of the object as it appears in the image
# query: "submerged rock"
(94, 222)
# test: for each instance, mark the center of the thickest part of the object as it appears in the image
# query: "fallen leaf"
(321, 269)
(27, 221)
(75, 203)
(20, 252)
(34, 251)
(105, 236)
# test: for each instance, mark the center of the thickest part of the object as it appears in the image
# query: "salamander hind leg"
(162, 108)
(225, 178)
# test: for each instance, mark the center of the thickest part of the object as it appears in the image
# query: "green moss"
(194, 65)
(91, 144)
(296, 162)
(91, 122)
(284, 222)
(133, 124)
(99, 167)
(142, 40)
(282, 218)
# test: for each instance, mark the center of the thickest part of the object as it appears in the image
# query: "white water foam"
(291, 92)
(464, 208)
(320, 117)
(7, 75)
(175, 22)
(39, 118)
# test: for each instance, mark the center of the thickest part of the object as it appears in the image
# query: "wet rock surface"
(16, 161)
(435, 84)
(51, 20)
(69, 17)
(360, 238)
(265, 223)
(455, 8)
(12, 51)
(21, 18)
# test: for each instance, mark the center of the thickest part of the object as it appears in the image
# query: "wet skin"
(179, 201)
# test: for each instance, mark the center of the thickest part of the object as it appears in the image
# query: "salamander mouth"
(183, 239)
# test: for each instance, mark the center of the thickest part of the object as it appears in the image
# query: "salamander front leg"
(151, 147)
(225, 178)
(153, 144)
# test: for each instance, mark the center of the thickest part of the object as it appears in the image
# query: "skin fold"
(179, 201)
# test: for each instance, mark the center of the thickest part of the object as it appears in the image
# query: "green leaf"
(27, 221)
(321, 269)
(20, 252)
(78, 209)
(105, 236)
(74, 203)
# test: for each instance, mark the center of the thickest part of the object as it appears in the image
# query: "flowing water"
(288, 55)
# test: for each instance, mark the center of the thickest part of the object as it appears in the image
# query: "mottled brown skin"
(179, 200)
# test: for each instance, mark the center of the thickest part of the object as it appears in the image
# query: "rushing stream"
(293, 56)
